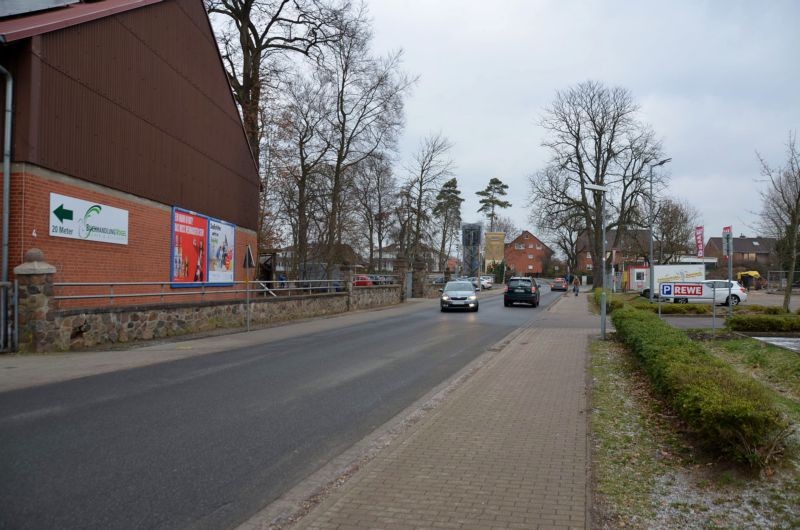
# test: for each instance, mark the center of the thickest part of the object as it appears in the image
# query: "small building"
(527, 255)
(129, 159)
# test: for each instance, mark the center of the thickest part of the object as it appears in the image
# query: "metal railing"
(9, 316)
(168, 290)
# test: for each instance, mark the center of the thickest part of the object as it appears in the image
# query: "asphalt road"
(207, 441)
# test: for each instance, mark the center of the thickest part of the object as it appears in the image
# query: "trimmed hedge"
(729, 411)
(613, 301)
(766, 323)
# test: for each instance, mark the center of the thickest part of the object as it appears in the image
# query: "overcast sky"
(717, 81)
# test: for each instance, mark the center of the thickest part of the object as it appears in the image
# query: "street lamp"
(650, 259)
(602, 190)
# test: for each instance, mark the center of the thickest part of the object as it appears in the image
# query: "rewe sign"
(684, 290)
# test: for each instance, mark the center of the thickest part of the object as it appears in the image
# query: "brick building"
(129, 161)
(526, 255)
(748, 252)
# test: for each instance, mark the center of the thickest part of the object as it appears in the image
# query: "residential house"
(748, 252)
(526, 255)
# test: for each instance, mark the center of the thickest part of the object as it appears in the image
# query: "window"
(530, 267)
(530, 245)
(588, 255)
(530, 256)
(639, 276)
(589, 267)
(519, 246)
(538, 247)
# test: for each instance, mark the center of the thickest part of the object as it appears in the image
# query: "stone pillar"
(420, 275)
(400, 269)
(347, 280)
(35, 278)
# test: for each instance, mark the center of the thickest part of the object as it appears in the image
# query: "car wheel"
(733, 300)
(681, 300)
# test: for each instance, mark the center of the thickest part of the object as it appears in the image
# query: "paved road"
(207, 441)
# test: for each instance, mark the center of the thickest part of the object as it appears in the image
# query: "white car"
(487, 282)
(718, 291)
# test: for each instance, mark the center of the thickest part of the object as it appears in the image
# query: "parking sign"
(666, 289)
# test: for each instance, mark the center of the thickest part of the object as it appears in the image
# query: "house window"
(589, 267)
(538, 247)
(519, 246)
(588, 255)
(639, 276)
(530, 245)
(530, 256)
(530, 267)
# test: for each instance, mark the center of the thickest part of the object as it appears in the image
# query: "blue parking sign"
(666, 289)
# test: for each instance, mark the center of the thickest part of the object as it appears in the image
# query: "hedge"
(731, 412)
(765, 323)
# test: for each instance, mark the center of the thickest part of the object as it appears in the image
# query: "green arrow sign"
(62, 213)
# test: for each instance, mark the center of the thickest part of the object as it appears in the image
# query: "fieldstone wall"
(375, 296)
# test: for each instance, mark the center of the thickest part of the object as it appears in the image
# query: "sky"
(718, 81)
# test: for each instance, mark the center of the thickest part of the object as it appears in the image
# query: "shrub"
(613, 301)
(729, 411)
(764, 323)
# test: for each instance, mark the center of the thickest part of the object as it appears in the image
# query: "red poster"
(189, 235)
(698, 239)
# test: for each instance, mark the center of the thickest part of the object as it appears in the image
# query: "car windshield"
(519, 283)
(459, 286)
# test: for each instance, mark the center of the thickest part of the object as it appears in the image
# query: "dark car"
(523, 290)
(459, 295)
(559, 284)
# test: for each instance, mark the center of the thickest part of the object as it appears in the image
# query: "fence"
(778, 280)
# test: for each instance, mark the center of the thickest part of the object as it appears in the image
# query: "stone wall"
(44, 327)
(375, 296)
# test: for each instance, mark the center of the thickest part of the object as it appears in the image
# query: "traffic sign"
(683, 290)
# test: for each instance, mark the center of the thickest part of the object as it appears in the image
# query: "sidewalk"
(508, 449)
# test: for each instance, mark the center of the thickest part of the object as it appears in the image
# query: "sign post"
(727, 237)
(248, 264)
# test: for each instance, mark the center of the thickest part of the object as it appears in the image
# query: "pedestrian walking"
(576, 285)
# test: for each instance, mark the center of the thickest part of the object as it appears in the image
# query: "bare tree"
(674, 229)
(253, 32)
(564, 232)
(594, 138)
(780, 213)
(301, 151)
(375, 193)
(430, 166)
(368, 96)
(507, 226)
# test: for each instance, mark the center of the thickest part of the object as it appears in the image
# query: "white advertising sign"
(221, 239)
(79, 219)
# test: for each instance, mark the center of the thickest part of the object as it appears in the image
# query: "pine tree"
(448, 211)
(492, 199)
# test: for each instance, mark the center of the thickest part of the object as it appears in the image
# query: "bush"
(764, 323)
(613, 301)
(729, 411)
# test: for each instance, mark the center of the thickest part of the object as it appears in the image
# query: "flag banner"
(698, 240)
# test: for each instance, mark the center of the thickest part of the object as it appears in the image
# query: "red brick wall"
(146, 257)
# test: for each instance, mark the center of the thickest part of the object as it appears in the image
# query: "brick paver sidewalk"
(508, 449)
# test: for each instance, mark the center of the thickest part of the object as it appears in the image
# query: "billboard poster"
(79, 219)
(220, 251)
(495, 246)
(698, 240)
(189, 238)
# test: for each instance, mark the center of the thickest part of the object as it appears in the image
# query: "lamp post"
(602, 190)
(650, 258)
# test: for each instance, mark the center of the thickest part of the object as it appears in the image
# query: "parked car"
(476, 282)
(459, 295)
(521, 289)
(362, 280)
(487, 282)
(718, 291)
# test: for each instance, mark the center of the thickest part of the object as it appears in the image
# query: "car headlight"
(445, 298)
(473, 297)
